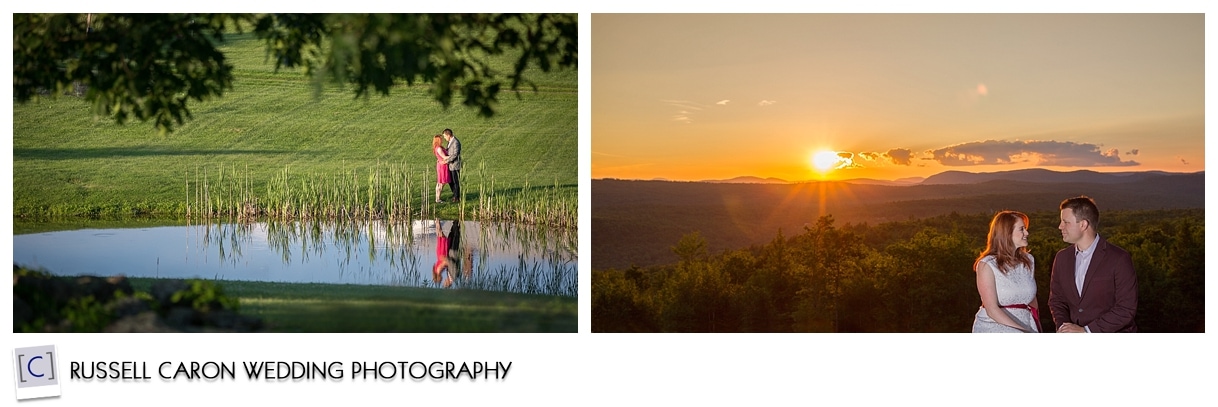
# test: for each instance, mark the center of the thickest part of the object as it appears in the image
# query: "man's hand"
(1069, 328)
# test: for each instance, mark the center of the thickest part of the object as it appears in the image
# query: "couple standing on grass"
(448, 164)
(1092, 288)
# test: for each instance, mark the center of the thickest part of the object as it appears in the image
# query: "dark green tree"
(768, 296)
(691, 247)
(935, 285)
(1186, 270)
(151, 66)
(831, 256)
(142, 66)
(615, 306)
(696, 295)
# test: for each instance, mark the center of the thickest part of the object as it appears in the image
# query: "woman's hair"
(1001, 246)
(435, 141)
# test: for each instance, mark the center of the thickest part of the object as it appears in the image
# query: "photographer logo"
(36, 372)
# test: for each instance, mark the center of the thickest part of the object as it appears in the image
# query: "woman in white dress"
(1004, 278)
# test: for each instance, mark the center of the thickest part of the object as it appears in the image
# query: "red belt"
(1035, 314)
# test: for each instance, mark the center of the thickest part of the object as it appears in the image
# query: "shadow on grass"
(110, 152)
(472, 195)
(535, 188)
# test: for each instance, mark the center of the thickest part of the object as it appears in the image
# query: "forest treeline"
(635, 222)
(913, 276)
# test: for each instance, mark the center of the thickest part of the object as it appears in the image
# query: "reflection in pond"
(443, 254)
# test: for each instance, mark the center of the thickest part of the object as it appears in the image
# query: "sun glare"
(824, 161)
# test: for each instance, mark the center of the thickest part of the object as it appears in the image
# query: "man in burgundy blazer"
(1093, 287)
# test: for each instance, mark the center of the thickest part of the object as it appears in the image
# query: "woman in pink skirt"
(441, 153)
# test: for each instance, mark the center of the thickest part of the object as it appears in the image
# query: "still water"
(438, 254)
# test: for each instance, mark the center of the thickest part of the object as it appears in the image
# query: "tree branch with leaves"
(150, 67)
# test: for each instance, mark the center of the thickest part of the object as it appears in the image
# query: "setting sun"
(824, 161)
(847, 101)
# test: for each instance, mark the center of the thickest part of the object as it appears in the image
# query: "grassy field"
(73, 169)
(69, 162)
(357, 308)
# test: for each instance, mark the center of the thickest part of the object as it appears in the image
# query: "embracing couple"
(448, 163)
(1093, 287)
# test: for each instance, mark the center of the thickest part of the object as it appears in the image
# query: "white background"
(600, 369)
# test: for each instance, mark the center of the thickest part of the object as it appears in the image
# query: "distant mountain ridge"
(897, 182)
(1035, 175)
(749, 180)
(1040, 175)
(858, 181)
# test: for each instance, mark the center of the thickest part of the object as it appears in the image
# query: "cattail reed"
(383, 192)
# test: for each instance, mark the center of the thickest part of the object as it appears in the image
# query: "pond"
(437, 254)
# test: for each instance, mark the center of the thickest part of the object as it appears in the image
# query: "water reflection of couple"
(449, 256)
(1093, 287)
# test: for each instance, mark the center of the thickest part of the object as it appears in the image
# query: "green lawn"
(67, 161)
(286, 307)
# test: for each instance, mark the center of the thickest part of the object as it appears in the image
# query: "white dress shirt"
(1082, 260)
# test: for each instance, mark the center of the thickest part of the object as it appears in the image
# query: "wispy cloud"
(722, 102)
(1132, 152)
(609, 155)
(974, 95)
(685, 109)
(684, 104)
(1046, 153)
(765, 103)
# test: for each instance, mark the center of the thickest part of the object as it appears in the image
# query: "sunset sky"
(890, 96)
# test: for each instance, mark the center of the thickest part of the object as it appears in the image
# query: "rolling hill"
(636, 222)
(1041, 175)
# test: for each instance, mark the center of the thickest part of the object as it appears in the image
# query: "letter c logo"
(31, 362)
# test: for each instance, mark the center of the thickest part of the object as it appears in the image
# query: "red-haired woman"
(1004, 278)
(437, 148)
